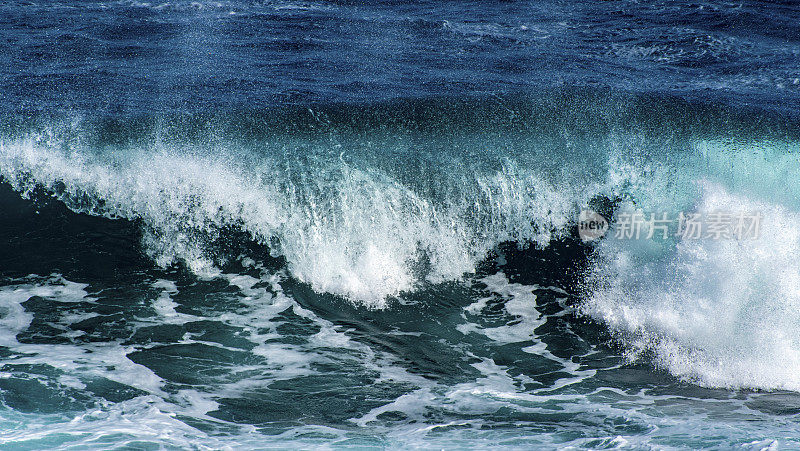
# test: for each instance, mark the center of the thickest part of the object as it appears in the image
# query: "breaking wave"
(371, 205)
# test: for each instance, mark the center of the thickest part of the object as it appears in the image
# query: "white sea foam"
(153, 416)
(349, 231)
(519, 302)
(717, 312)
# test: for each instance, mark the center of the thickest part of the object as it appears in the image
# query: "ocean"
(399, 225)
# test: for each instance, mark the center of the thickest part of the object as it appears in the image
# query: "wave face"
(352, 211)
(234, 276)
(370, 205)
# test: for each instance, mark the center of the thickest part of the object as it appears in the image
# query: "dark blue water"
(356, 224)
(147, 57)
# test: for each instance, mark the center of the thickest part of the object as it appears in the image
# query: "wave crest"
(356, 232)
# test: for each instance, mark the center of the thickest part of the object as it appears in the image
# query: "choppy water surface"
(273, 224)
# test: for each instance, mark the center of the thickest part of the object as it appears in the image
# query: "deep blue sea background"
(279, 224)
(147, 57)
